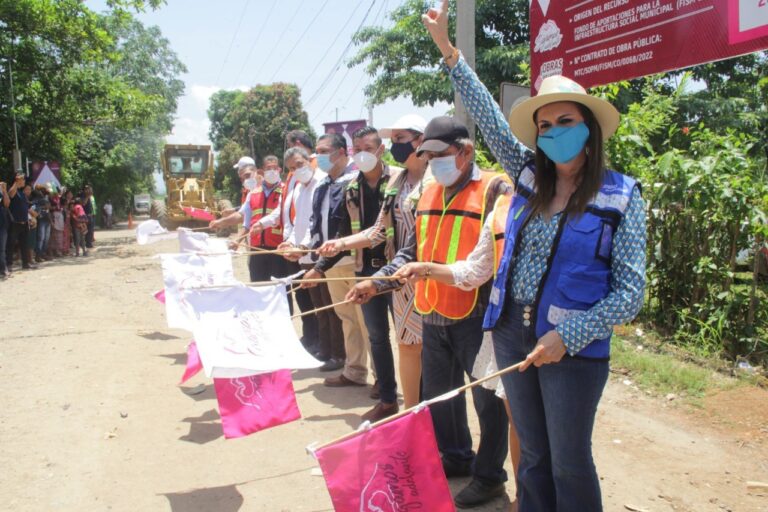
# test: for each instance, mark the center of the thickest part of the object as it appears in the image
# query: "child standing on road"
(79, 227)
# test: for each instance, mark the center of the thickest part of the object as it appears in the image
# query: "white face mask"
(250, 184)
(304, 174)
(271, 176)
(444, 170)
(365, 161)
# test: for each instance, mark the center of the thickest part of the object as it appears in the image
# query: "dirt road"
(92, 418)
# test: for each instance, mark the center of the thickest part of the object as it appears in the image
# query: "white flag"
(243, 331)
(197, 241)
(150, 231)
(189, 270)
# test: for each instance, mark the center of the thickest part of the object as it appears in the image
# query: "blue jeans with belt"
(553, 408)
(375, 314)
(448, 355)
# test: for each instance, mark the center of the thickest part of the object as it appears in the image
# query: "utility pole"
(251, 133)
(16, 151)
(370, 114)
(465, 42)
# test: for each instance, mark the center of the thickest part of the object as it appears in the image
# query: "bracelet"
(429, 271)
(453, 56)
(343, 244)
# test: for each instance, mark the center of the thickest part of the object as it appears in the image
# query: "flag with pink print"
(392, 468)
(256, 402)
(194, 365)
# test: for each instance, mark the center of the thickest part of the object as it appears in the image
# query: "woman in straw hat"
(568, 256)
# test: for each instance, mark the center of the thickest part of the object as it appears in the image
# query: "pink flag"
(392, 468)
(194, 364)
(160, 295)
(197, 213)
(257, 402)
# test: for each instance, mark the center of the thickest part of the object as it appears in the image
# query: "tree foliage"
(263, 114)
(96, 91)
(707, 195)
(403, 60)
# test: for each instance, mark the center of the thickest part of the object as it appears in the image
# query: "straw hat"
(559, 88)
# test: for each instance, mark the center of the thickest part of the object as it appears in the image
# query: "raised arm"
(510, 152)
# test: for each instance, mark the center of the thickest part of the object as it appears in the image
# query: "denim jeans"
(3, 241)
(43, 237)
(553, 408)
(375, 314)
(449, 353)
(89, 236)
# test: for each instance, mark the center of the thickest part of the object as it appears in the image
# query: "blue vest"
(578, 273)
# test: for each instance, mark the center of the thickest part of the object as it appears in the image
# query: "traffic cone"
(130, 220)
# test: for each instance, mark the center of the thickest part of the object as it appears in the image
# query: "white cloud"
(189, 131)
(201, 94)
(192, 124)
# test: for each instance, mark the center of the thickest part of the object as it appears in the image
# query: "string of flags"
(244, 339)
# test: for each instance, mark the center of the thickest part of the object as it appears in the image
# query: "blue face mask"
(324, 162)
(562, 144)
(444, 170)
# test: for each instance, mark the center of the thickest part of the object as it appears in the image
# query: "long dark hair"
(591, 175)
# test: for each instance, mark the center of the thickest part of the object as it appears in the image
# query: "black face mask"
(401, 151)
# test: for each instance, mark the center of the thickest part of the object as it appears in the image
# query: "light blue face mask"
(324, 162)
(562, 144)
(444, 170)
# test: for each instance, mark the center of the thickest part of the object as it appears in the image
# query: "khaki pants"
(356, 341)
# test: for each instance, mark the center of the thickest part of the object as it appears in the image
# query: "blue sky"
(229, 44)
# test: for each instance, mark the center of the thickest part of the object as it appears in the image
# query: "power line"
(333, 96)
(232, 42)
(336, 66)
(256, 39)
(338, 34)
(298, 40)
(274, 47)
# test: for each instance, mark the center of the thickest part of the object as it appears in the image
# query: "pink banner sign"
(257, 402)
(53, 166)
(393, 468)
(602, 41)
(346, 129)
(194, 365)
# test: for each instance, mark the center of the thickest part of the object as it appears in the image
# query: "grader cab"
(188, 173)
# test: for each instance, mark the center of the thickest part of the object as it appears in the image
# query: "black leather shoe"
(331, 365)
(455, 469)
(476, 493)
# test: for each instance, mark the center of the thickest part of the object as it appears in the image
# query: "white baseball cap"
(407, 122)
(246, 160)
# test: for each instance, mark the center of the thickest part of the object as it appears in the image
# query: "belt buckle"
(377, 262)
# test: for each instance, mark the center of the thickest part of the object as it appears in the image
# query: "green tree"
(404, 61)
(95, 91)
(258, 118)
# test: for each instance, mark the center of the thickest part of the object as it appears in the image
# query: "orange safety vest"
(446, 233)
(286, 192)
(261, 206)
(499, 228)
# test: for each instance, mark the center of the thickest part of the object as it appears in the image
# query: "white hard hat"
(246, 160)
(407, 122)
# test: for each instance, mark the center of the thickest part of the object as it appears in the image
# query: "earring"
(586, 150)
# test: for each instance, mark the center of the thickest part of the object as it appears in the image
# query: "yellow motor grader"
(190, 202)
